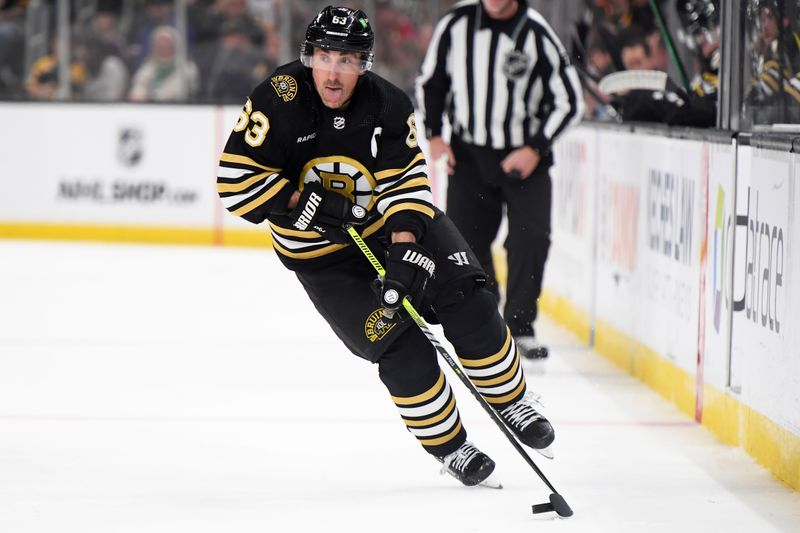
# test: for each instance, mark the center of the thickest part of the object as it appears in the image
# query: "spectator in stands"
(221, 12)
(670, 106)
(105, 26)
(155, 13)
(11, 48)
(635, 52)
(658, 52)
(107, 74)
(160, 78)
(396, 44)
(208, 21)
(270, 56)
(232, 74)
(775, 95)
(43, 79)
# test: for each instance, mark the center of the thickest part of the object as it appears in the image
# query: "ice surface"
(171, 389)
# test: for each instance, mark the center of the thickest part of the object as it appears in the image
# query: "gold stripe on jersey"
(441, 440)
(516, 394)
(492, 359)
(435, 419)
(790, 87)
(391, 172)
(324, 250)
(242, 185)
(408, 206)
(415, 182)
(312, 254)
(244, 160)
(262, 198)
(500, 380)
(287, 232)
(425, 396)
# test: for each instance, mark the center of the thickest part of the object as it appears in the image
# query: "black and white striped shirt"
(502, 84)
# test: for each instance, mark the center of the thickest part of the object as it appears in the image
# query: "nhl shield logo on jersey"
(338, 123)
(285, 86)
(516, 64)
(377, 326)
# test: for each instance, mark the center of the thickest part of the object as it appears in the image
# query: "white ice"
(181, 389)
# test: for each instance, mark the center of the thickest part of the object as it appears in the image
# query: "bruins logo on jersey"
(344, 175)
(377, 326)
(285, 86)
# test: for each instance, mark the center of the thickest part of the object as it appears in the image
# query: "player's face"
(335, 75)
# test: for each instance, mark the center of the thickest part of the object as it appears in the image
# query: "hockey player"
(323, 143)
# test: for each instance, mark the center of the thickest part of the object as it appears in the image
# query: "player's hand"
(439, 149)
(408, 268)
(326, 212)
(523, 161)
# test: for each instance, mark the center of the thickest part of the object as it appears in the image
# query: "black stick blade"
(557, 504)
(542, 508)
(560, 505)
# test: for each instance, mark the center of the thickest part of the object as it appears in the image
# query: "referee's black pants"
(476, 194)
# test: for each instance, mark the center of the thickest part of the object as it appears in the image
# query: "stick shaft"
(670, 43)
(418, 320)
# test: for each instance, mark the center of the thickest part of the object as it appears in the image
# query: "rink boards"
(672, 254)
(672, 249)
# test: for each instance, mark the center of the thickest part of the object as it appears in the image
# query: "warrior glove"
(408, 268)
(326, 212)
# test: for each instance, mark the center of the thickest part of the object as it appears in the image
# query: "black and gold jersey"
(368, 152)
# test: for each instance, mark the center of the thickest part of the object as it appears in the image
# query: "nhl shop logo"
(130, 146)
(516, 64)
(338, 123)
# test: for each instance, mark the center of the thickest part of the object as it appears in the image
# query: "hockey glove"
(326, 212)
(408, 269)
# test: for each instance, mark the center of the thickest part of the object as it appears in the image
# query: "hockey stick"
(670, 43)
(626, 80)
(557, 501)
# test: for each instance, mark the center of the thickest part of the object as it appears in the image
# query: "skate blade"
(491, 482)
(547, 452)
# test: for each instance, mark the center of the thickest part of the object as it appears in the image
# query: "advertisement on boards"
(570, 265)
(672, 222)
(619, 229)
(719, 263)
(760, 355)
(792, 404)
(104, 164)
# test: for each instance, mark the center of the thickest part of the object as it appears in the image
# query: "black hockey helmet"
(698, 16)
(341, 29)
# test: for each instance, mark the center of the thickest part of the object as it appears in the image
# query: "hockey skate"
(529, 425)
(470, 466)
(529, 348)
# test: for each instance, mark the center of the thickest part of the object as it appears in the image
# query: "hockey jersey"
(368, 152)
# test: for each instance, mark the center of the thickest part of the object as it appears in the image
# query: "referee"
(498, 73)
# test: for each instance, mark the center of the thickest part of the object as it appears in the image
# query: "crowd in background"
(131, 50)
